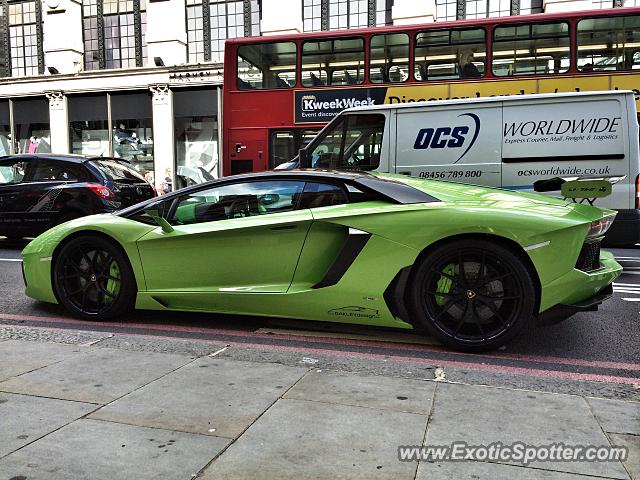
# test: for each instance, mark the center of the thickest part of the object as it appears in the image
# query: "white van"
(510, 142)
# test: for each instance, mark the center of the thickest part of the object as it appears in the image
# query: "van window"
(450, 54)
(354, 142)
(267, 65)
(531, 49)
(389, 58)
(611, 43)
(333, 62)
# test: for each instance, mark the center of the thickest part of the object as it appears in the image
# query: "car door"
(15, 176)
(237, 237)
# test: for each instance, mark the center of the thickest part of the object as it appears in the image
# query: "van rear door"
(568, 138)
(456, 143)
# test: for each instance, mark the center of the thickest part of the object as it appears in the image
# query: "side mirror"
(152, 211)
(303, 158)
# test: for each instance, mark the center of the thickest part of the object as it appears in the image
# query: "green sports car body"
(467, 264)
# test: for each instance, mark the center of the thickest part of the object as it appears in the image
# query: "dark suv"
(42, 190)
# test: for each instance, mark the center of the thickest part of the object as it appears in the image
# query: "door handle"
(283, 227)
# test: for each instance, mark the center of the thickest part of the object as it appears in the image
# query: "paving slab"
(632, 442)
(372, 391)
(484, 415)
(18, 356)
(617, 416)
(97, 376)
(489, 471)
(95, 450)
(24, 419)
(302, 440)
(209, 396)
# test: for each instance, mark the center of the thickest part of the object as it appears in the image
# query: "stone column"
(62, 35)
(58, 122)
(281, 17)
(166, 32)
(163, 135)
(410, 12)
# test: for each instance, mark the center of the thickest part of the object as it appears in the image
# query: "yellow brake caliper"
(444, 284)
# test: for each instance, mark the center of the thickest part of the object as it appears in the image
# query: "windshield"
(118, 171)
(354, 143)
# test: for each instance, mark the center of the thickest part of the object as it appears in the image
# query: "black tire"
(471, 295)
(93, 278)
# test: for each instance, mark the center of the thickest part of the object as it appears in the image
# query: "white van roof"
(503, 98)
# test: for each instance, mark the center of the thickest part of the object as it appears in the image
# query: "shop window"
(31, 125)
(5, 129)
(132, 131)
(267, 65)
(606, 44)
(531, 49)
(450, 54)
(88, 125)
(333, 62)
(196, 133)
(389, 58)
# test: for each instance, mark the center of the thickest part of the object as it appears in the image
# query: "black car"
(42, 190)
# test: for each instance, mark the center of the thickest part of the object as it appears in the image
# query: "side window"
(267, 65)
(389, 58)
(609, 43)
(355, 142)
(450, 54)
(237, 200)
(47, 171)
(333, 62)
(12, 172)
(317, 195)
(531, 49)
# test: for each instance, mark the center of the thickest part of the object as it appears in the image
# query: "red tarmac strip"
(352, 342)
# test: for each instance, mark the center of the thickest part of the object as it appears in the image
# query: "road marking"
(626, 284)
(631, 299)
(10, 259)
(628, 258)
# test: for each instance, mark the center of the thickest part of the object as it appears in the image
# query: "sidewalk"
(85, 411)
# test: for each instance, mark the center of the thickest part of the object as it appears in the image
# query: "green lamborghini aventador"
(468, 265)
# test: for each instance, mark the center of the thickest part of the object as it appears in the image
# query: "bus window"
(354, 142)
(531, 49)
(450, 54)
(267, 65)
(333, 62)
(611, 43)
(389, 58)
(286, 143)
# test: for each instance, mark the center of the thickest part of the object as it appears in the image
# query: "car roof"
(65, 157)
(393, 190)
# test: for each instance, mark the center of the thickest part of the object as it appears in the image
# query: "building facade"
(141, 79)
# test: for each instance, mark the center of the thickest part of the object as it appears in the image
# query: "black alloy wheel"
(93, 279)
(472, 295)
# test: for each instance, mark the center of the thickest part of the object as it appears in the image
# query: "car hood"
(465, 195)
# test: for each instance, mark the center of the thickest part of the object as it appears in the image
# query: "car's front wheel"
(93, 279)
(472, 295)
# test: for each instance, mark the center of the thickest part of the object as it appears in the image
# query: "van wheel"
(471, 295)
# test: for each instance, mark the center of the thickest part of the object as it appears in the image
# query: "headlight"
(600, 227)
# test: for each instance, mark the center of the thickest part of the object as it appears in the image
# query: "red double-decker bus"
(279, 91)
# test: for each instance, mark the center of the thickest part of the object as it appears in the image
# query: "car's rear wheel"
(93, 279)
(472, 295)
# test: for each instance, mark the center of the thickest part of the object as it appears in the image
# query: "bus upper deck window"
(611, 43)
(338, 61)
(389, 58)
(450, 54)
(531, 49)
(266, 66)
